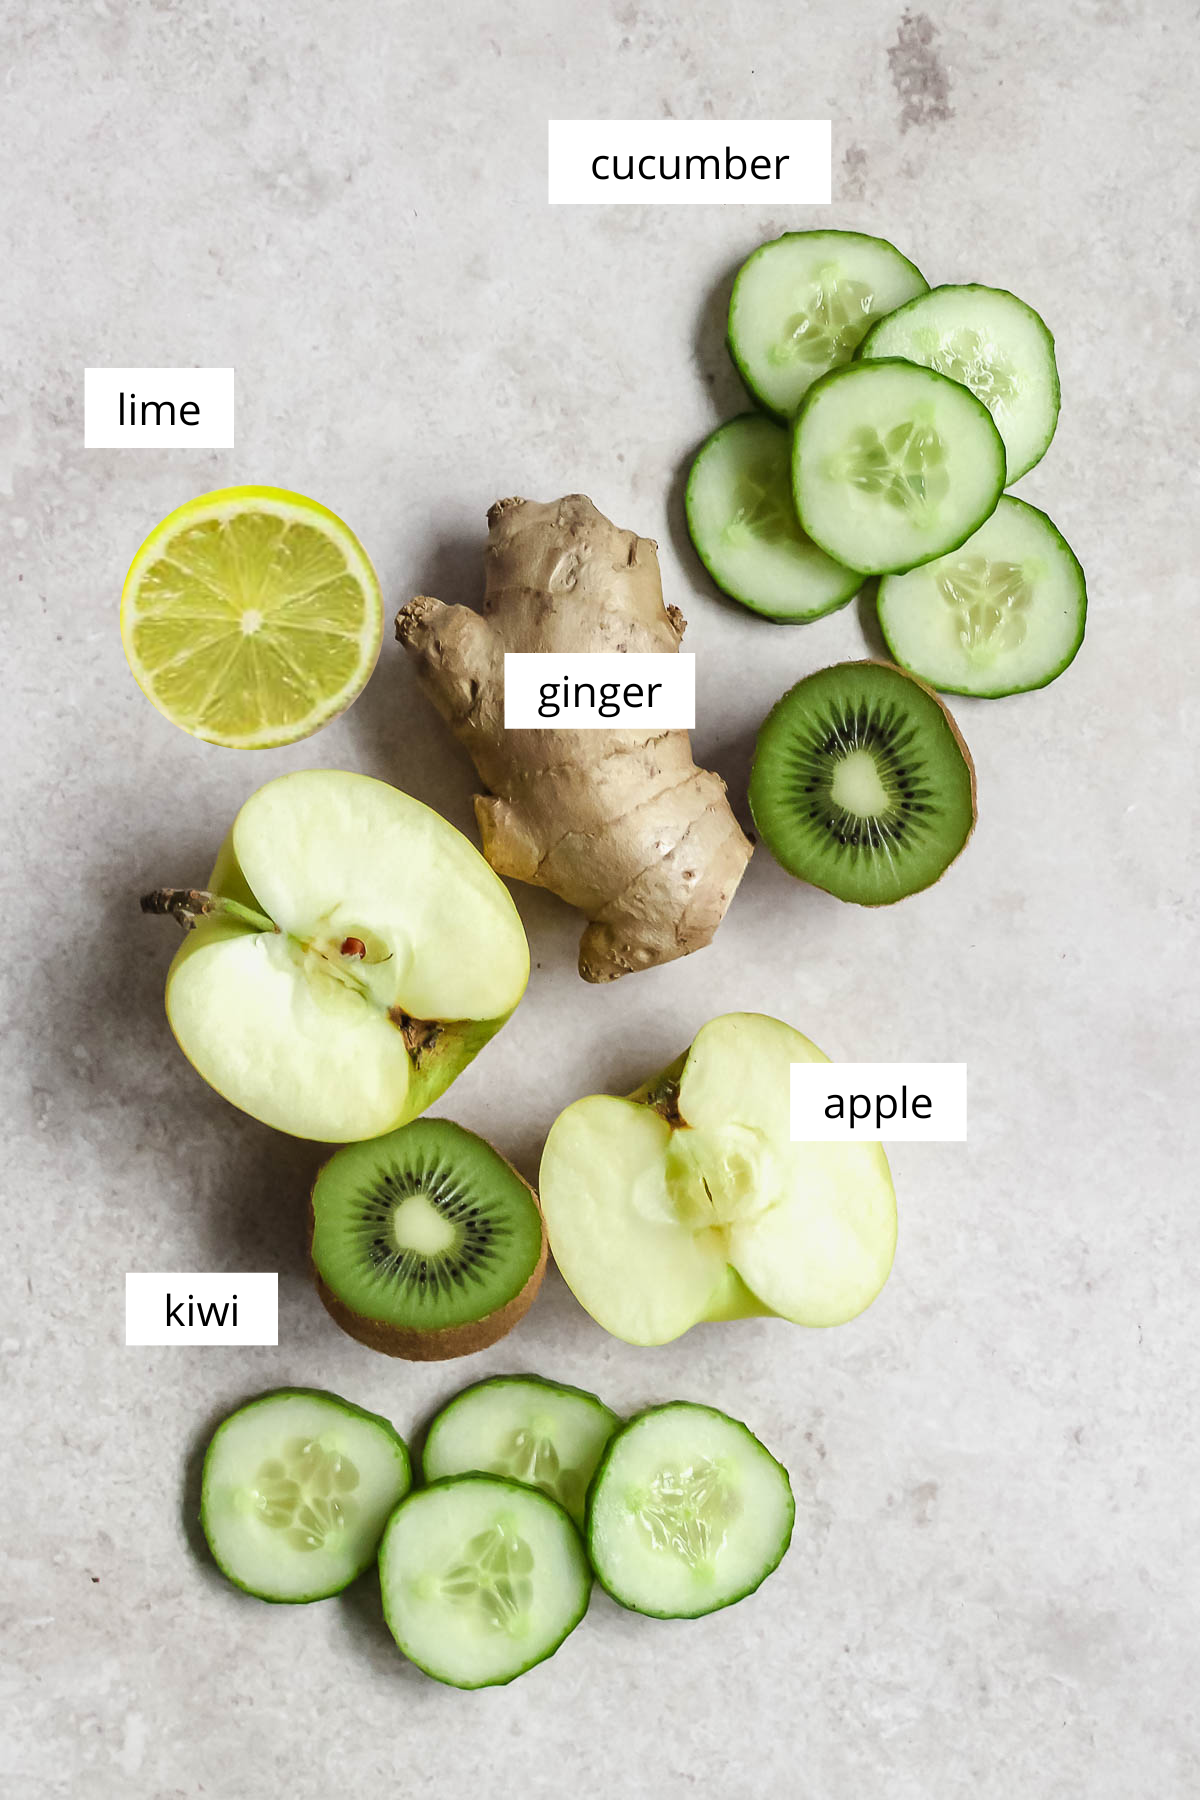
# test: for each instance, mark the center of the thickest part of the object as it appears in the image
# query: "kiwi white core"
(856, 787)
(418, 1225)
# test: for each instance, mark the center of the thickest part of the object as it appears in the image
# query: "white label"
(689, 162)
(157, 409)
(836, 1103)
(202, 1309)
(599, 691)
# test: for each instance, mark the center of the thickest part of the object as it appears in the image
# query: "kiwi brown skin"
(447, 1341)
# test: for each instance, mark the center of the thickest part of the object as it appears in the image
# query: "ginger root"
(621, 824)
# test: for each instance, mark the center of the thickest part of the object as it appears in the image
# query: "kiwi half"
(425, 1243)
(861, 783)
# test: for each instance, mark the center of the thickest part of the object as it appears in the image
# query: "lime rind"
(251, 616)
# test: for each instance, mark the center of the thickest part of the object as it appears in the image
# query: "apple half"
(688, 1200)
(351, 954)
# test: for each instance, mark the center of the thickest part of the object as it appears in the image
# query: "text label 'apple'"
(902, 1102)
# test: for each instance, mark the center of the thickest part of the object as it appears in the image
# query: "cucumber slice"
(688, 1512)
(801, 304)
(893, 464)
(995, 345)
(482, 1579)
(297, 1488)
(1003, 613)
(742, 521)
(533, 1431)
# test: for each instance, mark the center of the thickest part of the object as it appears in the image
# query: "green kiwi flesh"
(425, 1243)
(861, 783)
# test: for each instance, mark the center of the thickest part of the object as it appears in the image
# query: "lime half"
(251, 617)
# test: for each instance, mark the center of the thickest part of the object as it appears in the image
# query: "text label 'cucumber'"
(599, 691)
(158, 409)
(689, 162)
(836, 1103)
(202, 1309)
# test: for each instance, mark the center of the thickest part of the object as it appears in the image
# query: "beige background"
(993, 1583)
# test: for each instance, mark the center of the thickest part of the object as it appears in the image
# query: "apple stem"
(188, 905)
(420, 1035)
(663, 1095)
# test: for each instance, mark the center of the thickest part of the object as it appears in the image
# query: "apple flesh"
(688, 1201)
(357, 953)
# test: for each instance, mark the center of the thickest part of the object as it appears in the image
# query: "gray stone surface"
(993, 1586)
